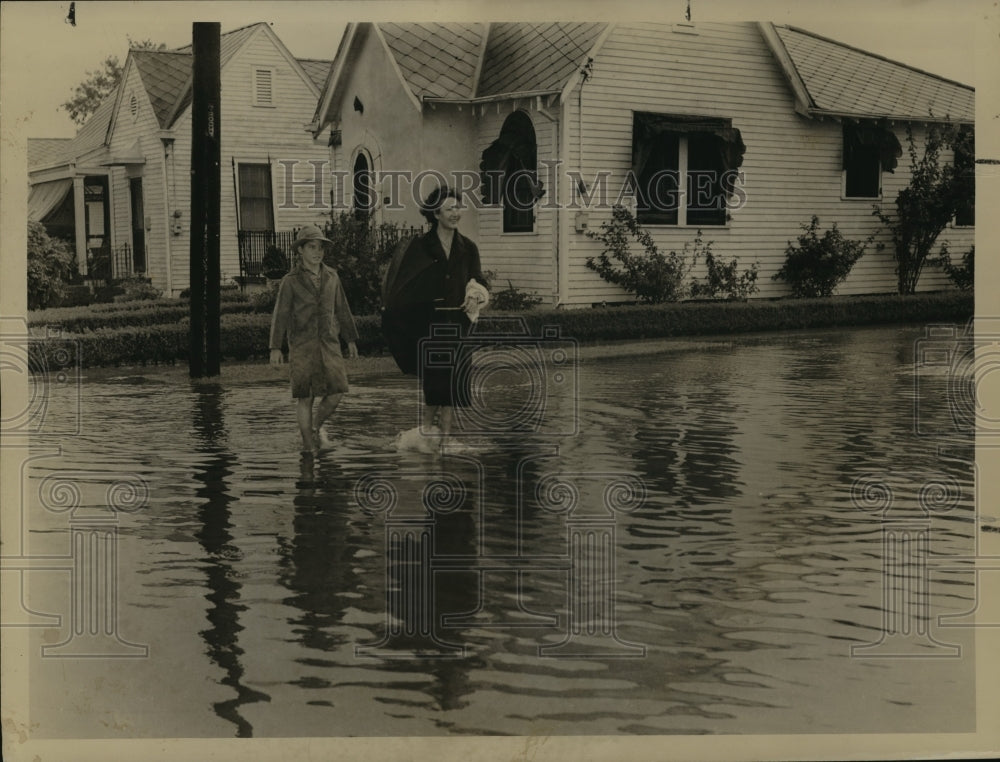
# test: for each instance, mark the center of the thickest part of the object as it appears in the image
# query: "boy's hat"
(309, 233)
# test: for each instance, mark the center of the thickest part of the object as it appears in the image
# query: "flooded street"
(685, 542)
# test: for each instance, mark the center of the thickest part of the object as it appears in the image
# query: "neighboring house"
(120, 190)
(813, 125)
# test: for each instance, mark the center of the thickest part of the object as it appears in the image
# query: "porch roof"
(43, 152)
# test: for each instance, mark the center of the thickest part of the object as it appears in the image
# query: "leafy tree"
(935, 194)
(100, 83)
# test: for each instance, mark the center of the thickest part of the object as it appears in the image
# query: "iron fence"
(106, 265)
(254, 245)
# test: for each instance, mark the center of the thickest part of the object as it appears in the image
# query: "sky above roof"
(935, 35)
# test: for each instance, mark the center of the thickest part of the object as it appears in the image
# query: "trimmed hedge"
(242, 337)
(82, 320)
(244, 334)
(707, 318)
(231, 300)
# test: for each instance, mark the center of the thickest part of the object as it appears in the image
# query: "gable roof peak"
(240, 30)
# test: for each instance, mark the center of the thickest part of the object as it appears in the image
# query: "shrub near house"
(818, 264)
(656, 277)
(51, 267)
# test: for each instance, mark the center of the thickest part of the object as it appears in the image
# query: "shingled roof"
(229, 42)
(451, 61)
(94, 131)
(463, 61)
(533, 57)
(316, 69)
(436, 60)
(164, 75)
(844, 81)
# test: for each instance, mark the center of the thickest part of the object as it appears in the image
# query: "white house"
(811, 127)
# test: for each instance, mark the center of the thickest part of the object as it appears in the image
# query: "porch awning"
(45, 197)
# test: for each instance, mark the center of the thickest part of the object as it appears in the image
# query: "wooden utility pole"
(206, 188)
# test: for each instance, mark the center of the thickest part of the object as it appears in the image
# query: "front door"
(138, 226)
(97, 227)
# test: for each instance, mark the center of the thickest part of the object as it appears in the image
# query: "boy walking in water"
(312, 312)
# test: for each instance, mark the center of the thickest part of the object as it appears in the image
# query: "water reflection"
(317, 564)
(222, 554)
(747, 574)
(428, 514)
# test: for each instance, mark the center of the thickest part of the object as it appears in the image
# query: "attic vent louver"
(263, 87)
(133, 106)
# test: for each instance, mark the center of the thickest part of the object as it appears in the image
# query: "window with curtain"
(870, 148)
(684, 168)
(509, 169)
(256, 203)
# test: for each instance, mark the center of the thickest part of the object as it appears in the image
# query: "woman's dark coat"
(421, 278)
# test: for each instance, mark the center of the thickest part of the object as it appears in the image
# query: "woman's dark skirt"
(444, 367)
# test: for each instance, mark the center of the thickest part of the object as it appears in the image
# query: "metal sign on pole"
(205, 267)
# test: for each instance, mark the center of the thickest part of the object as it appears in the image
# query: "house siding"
(179, 193)
(445, 146)
(252, 134)
(126, 131)
(792, 165)
(268, 134)
(390, 130)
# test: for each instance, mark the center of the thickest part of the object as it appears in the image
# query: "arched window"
(364, 191)
(510, 173)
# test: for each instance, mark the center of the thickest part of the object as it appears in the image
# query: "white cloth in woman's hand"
(476, 297)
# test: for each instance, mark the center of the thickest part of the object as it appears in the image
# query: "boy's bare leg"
(303, 413)
(326, 407)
